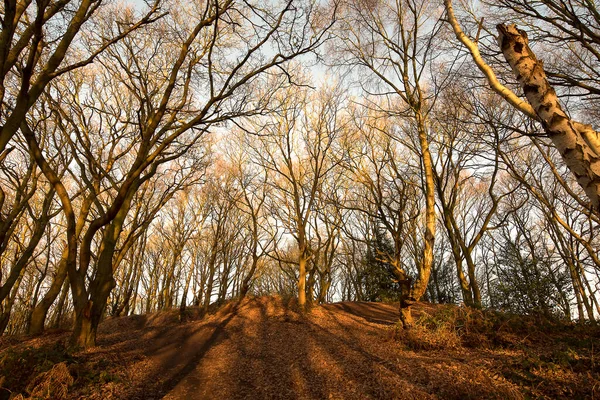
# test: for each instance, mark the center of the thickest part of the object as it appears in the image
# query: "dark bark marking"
(518, 47)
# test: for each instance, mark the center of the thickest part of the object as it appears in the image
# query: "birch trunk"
(578, 144)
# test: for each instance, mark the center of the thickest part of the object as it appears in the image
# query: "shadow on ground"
(264, 350)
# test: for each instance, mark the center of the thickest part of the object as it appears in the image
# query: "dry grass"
(52, 384)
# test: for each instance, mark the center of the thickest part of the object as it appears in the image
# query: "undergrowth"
(547, 358)
(453, 327)
(49, 372)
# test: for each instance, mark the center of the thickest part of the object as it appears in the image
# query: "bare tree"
(295, 148)
(388, 192)
(394, 41)
(166, 118)
(468, 171)
(34, 49)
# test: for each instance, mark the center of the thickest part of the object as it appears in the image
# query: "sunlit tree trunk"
(578, 144)
(302, 262)
(420, 285)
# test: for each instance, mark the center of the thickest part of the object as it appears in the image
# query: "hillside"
(263, 349)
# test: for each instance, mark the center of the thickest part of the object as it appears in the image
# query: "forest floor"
(264, 349)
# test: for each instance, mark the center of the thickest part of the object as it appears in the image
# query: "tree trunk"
(131, 305)
(302, 281)
(8, 305)
(474, 286)
(88, 317)
(123, 308)
(38, 316)
(84, 335)
(583, 283)
(4, 318)
(406, 302)
(248, 278)
(324, 284)
(310, 286)
(60, 305)
(420, 285)
(578, 144)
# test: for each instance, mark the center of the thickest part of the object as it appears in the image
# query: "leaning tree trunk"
(38, 316)
(578, 144)
(88, 315)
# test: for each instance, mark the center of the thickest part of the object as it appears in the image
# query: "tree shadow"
(257, 371)
(371, 312)
(288, 356)
(266, 350)
(177, 355)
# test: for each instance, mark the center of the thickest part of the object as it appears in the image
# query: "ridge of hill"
(262, 348)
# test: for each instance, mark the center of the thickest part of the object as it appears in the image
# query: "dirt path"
(263, 350)
(268, 352)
